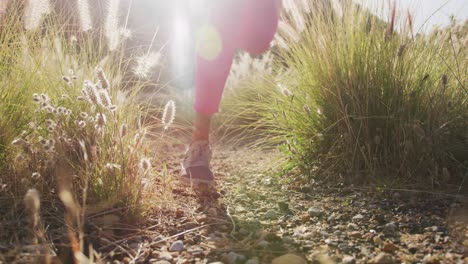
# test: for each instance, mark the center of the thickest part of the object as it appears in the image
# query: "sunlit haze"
(426, 13)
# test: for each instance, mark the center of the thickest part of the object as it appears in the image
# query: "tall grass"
(71, 126)
(354, 100)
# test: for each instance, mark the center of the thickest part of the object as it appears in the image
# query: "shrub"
(357, 101)
(70, 123)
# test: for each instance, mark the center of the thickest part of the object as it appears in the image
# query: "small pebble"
(377, 240)
(389, 247)
(314, 211)
(161, 262)
(348, 259)
(289, 259)
(233, 258)
(355, 234)
(358, 217)
(382, 258)
(165, 256)
(177, 246)
(263, 243)
(271, 214)
(252, 261)
(390, 228)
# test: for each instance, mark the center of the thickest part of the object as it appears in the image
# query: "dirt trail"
(252, 216)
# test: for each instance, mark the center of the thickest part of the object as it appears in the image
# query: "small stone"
(358, 217)
(347, 259)
(352, 226)
(314, 211)
(283, 206)
(195, 250)
(289, 259)
(271, 214)
(177, 246)
(389, 247)
(355, 234)
(305, 218)
(135, 246)
(390, 228)
(413, 248)
(431, 259)
(432, 229)
(396, 195)
(382, 258)
(263, 243)
(165, 256)
(252, 261)
(337, 233)
(377, 240)
(126, 260)
(161, 262)
(233, 258)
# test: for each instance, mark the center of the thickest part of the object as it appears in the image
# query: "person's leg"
(246, 24)
(215, 52)
(202, 126)
(258, 25)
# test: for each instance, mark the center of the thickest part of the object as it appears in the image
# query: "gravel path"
(253, 216)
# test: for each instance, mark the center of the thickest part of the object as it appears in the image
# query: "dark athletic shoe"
(196, 164)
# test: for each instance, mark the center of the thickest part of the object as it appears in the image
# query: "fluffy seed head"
(101, 119)
(113, 166)
(34, 12)
(123, 130)
(145, 63)
(168, 114)
(111, 25)
(145, 164)
(66, 79)
(285, 91)
(19, 142)
(85, 15)
(82, 123)
(103, 81)
(36, 98)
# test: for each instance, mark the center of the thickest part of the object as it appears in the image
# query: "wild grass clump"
(71, 126)
(358, 101)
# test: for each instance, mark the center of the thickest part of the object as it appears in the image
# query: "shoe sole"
(186, 178)
(190, 181)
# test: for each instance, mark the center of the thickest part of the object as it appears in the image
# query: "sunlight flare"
(34, 12)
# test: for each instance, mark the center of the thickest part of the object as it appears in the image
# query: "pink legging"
(241, 24)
